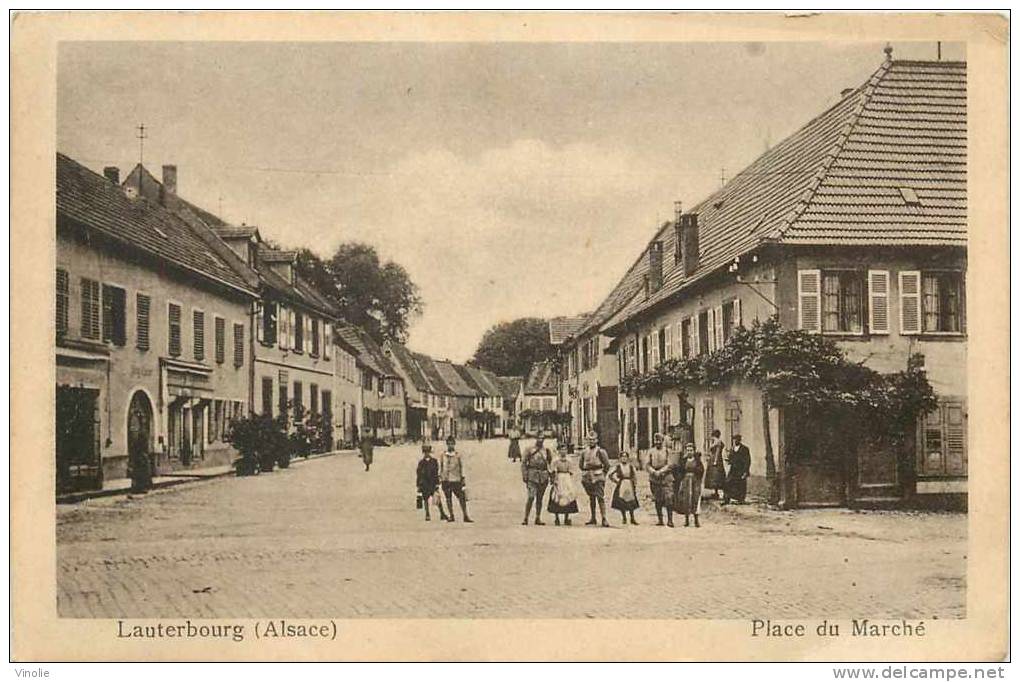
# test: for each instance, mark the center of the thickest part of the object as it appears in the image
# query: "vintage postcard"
(394, 336)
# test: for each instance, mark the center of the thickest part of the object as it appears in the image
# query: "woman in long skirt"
(689, 500)
(514, 452)
(715, 472)
(625, 494)
(563, 499)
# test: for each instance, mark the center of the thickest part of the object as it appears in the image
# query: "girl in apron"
(625, 494)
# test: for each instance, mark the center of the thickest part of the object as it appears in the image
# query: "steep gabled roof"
(212, 228)
(89, 199)
(563, 328)
(431, 373)
(510, 386)
(369, 352)
(541, 379)
(406, 360)
(453, 379)
(836, 181)
(486, 380)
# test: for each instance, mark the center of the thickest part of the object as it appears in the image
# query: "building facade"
(152, 335)
(866, 246)
(537, 404)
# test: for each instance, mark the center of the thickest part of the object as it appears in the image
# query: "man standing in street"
(594, 464)
(451, 477)
(366, 447)
(535, 472)
(740, 468)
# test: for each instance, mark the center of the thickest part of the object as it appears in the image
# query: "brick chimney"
(654, 266)
(170, 179)
(689, 242)
(112, 174)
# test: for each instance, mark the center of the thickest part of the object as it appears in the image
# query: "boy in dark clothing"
(428, 481)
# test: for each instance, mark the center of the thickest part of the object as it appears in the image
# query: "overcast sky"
(509, 179)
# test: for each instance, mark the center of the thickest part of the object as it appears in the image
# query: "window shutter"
(220, 340)
(718, 328)
(654, 342)
(695, 335)
(283, 327)
(711, 329)
(260, 325)
(808, 283)
(737, 320)
(910, 302)
(308, 333)
(669, 342)
(142, 307)
(198, 326)
(878, 301)
(955, 421)
(63, 293)
(291, 325)
(238, 345)
(327, 340)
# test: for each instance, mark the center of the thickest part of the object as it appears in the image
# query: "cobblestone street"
(324, 538)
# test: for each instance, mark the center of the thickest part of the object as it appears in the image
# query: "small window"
(941, 297)
(267, 396)
(174, 330)
(685, 338)
(298, 400)
(221, 339)
(283, 402)
(843, 302)
(909, 196)
(63, 301)
(315, 337)
(704, 330)
(143, 305)
(198, 325)
(313, 398)
(269, 322)
(114, 313)
(299, 332)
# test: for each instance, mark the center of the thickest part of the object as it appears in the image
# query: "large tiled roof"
(212, 227)
(510, 386)
(454, 380)
(406, 361)
(477, 380)
(369, 352)
(431, 373)
(842, 179)
(541, 379)
(487, 380)
(90, 199)
(562, 328)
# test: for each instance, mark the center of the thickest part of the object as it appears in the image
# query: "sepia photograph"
(353, 330)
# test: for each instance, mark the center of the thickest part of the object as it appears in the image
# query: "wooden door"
(608, 421)
(77, 439)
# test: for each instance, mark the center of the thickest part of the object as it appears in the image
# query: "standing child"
(563, 498)
(366, 447)
(625, 494)
(428, 481)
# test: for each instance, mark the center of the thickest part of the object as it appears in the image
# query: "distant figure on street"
(366, 447)
(660, 480)
(625, 500)
(451, 476)
(535, 472)
(562, 497)
(693, 471)
(594, 464)
(428, 481)
(514, 452)
(715, 471)
(740, 469)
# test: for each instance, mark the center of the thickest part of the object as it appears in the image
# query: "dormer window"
(910, 197)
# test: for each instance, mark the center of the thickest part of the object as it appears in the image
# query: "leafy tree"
(510, 348)
(376, 296)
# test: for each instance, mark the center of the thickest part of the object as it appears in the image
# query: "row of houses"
(854, 227)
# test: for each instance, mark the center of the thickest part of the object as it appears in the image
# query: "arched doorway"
(139, 438)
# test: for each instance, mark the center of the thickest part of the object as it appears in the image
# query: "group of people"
(675, 480)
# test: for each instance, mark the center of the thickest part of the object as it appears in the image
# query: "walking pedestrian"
(535, 472)
(428, 481)
(715, 471)
(689, 501)
(660, 480)
(594, 464)
(740, 469)
(451, 477)
(366, 447)
(514, 451)
(625, 500)
(563, 496)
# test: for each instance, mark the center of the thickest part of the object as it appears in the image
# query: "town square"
(482, 357)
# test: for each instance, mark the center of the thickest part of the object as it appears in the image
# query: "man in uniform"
(535, 473)
(740, 468)
(594, 465)
(451, 477)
